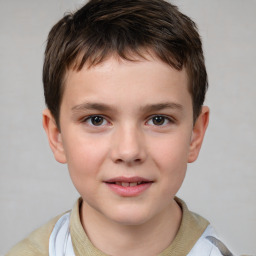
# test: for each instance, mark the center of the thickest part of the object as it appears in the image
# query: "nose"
(128, 146)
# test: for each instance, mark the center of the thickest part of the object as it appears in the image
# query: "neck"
(118, 239)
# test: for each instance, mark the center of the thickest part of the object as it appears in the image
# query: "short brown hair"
(102, 28)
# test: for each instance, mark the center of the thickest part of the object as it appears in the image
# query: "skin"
(145, 129)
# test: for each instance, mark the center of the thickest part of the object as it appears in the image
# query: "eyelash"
(166, 120)
(102, 120)
(89, 120)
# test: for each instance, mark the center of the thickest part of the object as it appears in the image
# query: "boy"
(124, 83)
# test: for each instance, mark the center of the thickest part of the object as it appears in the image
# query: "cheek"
(84, 164)
(84, 158)
(171, 158)
(171, 152)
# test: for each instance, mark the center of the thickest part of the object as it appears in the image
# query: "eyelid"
(168, 118)
(87, 118)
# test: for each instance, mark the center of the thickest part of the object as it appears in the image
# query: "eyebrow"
(91, 106)
(161, 106)
(146, 108)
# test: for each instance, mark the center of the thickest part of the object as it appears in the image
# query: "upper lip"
(128, 179)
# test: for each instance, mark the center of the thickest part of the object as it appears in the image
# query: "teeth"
(125, 184)
(128, 184)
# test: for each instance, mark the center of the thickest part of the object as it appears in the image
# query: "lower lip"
(129, 191)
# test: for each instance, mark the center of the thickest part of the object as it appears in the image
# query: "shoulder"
(209, 244)
(37, 243)
(198, 236)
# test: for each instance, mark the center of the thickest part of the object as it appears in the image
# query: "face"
(127, 135)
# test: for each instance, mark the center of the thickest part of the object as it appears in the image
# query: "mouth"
(129, 184)
(128, 181)
(129, 187)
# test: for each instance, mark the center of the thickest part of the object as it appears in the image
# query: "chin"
(130, 221)
(130, 217)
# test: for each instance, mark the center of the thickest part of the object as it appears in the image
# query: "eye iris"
(158, 120)
(97, 120)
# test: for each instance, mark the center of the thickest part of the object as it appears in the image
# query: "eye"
(159, 120)
(96, 120)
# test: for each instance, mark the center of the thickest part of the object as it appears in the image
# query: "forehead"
(144, 80)
(129, 57)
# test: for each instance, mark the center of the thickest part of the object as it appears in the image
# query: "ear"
(198, 134)
(54, 136)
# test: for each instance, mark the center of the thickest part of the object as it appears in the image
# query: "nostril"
(134, 161)
(119, 161)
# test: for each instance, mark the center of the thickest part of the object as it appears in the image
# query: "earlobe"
(197, 137)
(54, 136)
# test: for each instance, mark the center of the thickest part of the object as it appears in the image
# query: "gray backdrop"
(221, 185)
